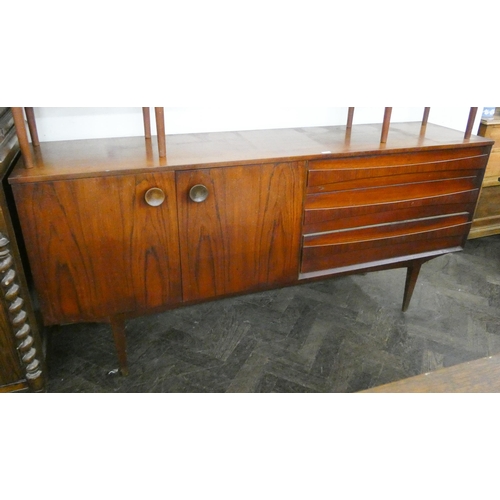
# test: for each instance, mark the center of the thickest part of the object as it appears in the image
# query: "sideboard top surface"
(91, 157)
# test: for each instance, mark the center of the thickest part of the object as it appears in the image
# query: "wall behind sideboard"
(65, 123)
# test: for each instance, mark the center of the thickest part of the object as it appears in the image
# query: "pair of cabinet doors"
(97, 248)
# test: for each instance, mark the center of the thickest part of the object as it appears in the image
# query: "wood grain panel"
(337, 256)
(390, 194)
(246, 234)
(493, 168)
(97, 249)
(101, 157)
(338, 180)
(401, 160)
(383, 231)
(342, 218)
(489, 202)
(489, 130)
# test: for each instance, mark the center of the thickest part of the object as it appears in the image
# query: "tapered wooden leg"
(118, 329)
(411, 281)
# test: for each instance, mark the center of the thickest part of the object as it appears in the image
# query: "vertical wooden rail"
(386, 125)
(24, 144)
(470, 123)
(425, 118)
(350, 118)
(160, 130)
(30, 116)
(147, 122)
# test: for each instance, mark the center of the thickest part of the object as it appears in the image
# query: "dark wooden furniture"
(116, 227)
(22, 365)
(487, 216)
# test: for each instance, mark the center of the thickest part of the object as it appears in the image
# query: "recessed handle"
(154, 197)
(198, 193)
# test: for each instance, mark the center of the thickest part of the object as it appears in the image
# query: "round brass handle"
(154, 197)
(198, 193)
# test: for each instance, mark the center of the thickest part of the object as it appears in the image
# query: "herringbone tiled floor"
(339, 335)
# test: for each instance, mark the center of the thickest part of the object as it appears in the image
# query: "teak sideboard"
(116, 227)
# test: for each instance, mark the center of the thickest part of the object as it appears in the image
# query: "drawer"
(390, 194)
(337, 175)
(332, 218)
(384, 231)
(335, 256)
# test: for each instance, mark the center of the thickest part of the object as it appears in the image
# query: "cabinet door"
(96, 248)
(246, 234)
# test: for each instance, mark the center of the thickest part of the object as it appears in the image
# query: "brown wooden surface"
(247, 232)
(160, 131)
(30, 117)
(24, 144)
(350, 118)
(480, 376)
(330, 257)
(425, 118)
(146, 117)
(386, 125)
(487, 215)
(470, 123)
(97, 249)
(84, 158)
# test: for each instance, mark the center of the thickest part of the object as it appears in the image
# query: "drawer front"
(359, 211)
(343, 175)
(334, 218)
(319, 258)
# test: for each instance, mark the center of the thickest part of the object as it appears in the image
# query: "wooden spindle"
(425, 119)
(350, 117)
(470, 123)
(386, 125)
(160, 130)
(30, 116)
(147, 122)
(22, 136)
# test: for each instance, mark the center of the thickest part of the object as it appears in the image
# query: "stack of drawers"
(371, 210)
(487, 217)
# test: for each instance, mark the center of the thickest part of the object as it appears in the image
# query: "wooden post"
(411, 281)
(470, 123)
(386, 125)
(147, 123)
(24, 144)
(350, 118)
(425, 119)
(30, 116)
(160, 130)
